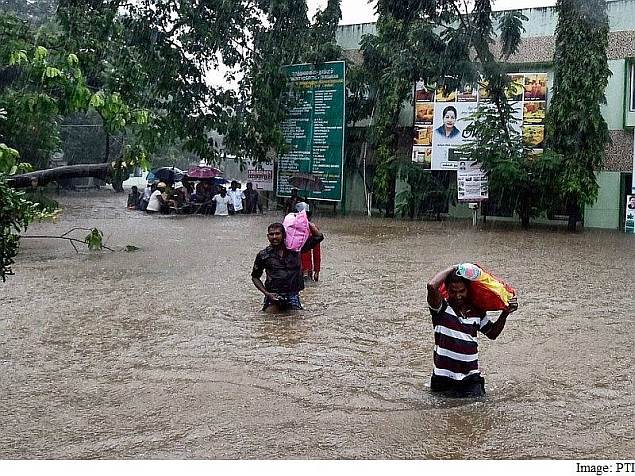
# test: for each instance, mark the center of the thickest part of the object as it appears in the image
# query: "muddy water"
(163, 353)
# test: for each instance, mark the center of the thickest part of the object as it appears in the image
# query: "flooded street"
(164, 352)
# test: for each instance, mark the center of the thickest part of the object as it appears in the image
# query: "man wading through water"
(284, 273)
(456, 322)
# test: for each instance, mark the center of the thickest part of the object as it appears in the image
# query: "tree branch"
(72, 241)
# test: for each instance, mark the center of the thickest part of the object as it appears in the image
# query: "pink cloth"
(296, 226)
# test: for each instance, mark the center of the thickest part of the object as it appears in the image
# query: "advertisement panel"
(261, 176)
(471, 182)
(441, 119)
(629, 223)
(314, 130)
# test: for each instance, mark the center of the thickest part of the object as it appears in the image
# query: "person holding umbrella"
(292, 201)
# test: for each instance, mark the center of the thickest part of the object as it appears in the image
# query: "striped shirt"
(455, 344)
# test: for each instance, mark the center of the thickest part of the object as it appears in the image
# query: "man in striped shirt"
(456, 323)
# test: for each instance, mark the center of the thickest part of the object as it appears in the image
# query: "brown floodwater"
(164, 352)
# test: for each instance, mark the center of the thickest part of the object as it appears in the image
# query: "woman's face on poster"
(449, 119)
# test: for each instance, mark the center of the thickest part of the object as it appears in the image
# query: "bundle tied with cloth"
(487, 292)
(296, 226)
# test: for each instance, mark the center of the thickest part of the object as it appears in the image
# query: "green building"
(536, 55)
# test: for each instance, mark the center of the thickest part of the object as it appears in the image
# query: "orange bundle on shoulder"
(487, 292)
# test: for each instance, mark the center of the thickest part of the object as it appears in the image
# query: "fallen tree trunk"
(43, 177)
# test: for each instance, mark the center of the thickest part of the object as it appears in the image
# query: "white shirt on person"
(237, 196)
(154, 205)
(221, 204)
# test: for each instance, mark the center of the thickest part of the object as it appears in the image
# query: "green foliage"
(94, 240)
(15, 211)
(17, 208)
(285, 37)
(575, 129)
(430, 41)
(44, 204)
(527, 182)
(511, 26)
(161, 67)
(42, 86)
(428, 193)
(43, 83)
(36, 13)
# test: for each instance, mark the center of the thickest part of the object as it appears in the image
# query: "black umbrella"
(166, 174)
(307, 182)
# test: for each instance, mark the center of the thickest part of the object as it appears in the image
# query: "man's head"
(276, 234)
(457, 287)
(294, 192)
(233, 185)
(161, 185)
(249, 186)
(134, 189)
(303, 206)
(223, 192)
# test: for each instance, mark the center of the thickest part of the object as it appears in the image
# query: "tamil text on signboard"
(314, 131)
(471, 182)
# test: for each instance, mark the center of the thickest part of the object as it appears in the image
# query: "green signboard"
(314, 130)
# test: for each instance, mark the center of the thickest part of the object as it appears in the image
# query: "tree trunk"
(523, 211)
(524, 221)
(572, 211)
(107, 151)
(390, 199)
(43, 177)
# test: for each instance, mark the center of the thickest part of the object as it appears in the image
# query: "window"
(631, 75)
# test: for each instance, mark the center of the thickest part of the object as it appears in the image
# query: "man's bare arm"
(499, 325)
(261, 287)
(434, 296)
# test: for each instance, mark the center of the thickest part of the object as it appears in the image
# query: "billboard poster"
(314, 130)
(261, 176)
(441, 118)
(633, 175)
(629, 223)
(471, 182)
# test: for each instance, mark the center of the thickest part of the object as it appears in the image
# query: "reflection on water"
(287, 329)
(164, 353)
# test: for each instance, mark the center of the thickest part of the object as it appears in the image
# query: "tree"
(428, 194)
(526, 181)
(45, 86)
(430, 41)
(575, 129)
(37, 13)
(285, 37)
(146, 65)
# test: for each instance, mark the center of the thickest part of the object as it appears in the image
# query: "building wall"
(536, 54)
(605, 212)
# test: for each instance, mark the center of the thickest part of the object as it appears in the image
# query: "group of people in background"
(205, 197)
